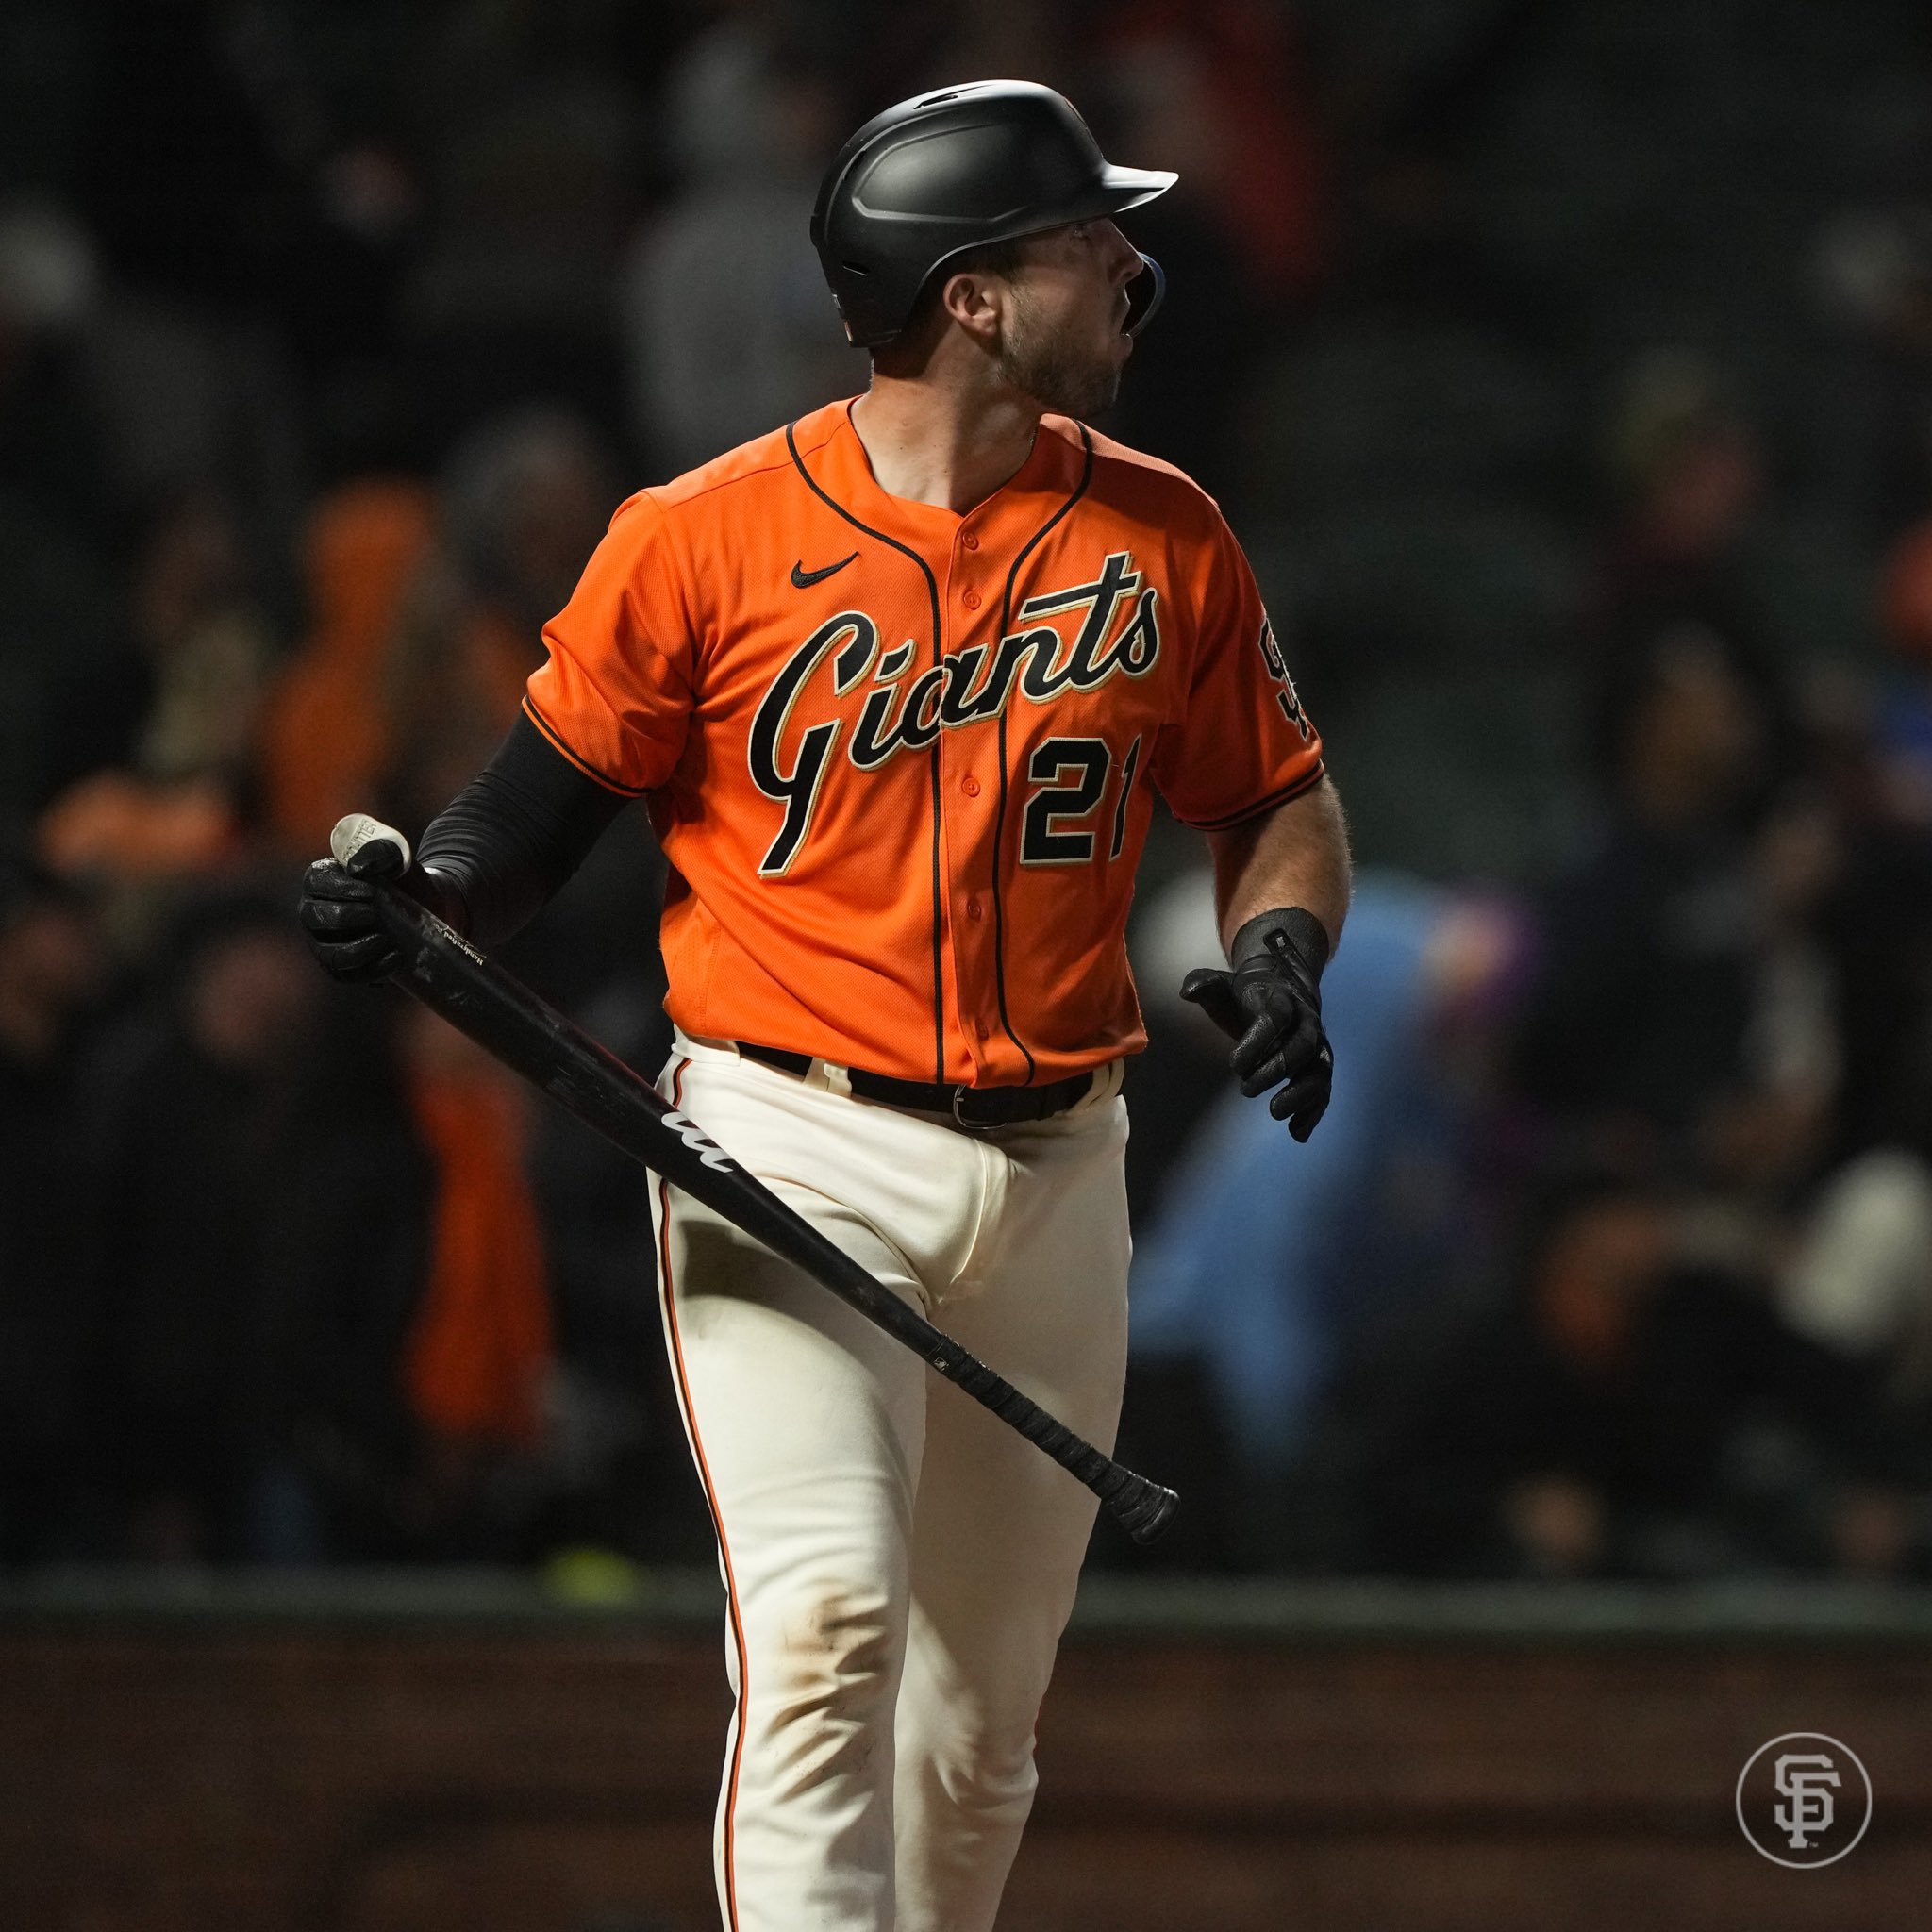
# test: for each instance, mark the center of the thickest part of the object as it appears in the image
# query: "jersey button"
(971, 600)
(970, 540)
(969, 786)
(973, 908)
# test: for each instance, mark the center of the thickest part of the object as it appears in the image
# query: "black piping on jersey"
(932, 589)
(1307, 782)
(1120, 809)
(999, 817)
(557, 744)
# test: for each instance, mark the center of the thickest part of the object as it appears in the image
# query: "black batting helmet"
(949, 170)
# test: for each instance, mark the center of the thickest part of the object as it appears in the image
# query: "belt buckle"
(962, 1096)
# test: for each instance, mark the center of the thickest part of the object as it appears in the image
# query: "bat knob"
(1143, 1509)
(357, 830)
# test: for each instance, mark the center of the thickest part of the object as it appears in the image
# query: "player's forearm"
(512, 837)
(1297, 855)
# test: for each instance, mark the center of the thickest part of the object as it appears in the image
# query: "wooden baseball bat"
(503, 1016)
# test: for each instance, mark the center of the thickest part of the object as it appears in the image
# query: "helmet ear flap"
(1145, 294)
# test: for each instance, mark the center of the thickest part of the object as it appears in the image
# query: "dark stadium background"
(1554, 1430)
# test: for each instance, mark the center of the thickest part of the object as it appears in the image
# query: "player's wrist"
(440, 892)
(1265, 936)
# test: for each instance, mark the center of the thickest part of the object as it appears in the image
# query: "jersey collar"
(844, 472)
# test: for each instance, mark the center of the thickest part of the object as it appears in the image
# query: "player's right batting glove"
(337, 909)
(1269, 1002)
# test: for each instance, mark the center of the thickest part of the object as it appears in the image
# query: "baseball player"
(898, 682)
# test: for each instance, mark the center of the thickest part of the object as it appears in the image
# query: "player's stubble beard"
(1057, 373)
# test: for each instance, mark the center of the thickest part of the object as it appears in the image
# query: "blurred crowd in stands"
(1566, 367)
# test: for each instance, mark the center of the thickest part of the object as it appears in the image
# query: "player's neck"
(948, 443)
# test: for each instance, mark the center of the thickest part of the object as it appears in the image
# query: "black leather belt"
(970, 1107)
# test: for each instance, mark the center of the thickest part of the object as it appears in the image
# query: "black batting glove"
(1269, 1003)
(338, 910)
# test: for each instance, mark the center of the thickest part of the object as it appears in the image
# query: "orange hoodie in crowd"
(480, 1346)
(325, 738)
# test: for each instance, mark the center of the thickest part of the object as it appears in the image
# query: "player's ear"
(977, 301)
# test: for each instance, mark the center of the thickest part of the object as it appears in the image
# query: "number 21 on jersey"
(1052, 831)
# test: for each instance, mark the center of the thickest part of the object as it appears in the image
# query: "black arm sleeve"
(511, 837)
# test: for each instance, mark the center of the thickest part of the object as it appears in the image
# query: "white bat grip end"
(358, 829)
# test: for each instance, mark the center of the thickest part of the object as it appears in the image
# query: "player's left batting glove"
(337, 907)
(1269, 1002)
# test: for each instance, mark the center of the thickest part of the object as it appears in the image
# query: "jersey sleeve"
(615, 694)
(1242, 743)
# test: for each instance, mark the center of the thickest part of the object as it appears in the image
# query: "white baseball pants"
(900, 1564)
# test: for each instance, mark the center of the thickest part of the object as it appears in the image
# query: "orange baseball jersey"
(899, 758)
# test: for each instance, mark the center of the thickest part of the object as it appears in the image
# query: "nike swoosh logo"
(803, 580)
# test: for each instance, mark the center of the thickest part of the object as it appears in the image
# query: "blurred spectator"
(209, 643)
(1680, 1019)
(1903, 726)
(323, 744)
(1873, 923)
(199, 1126)
(1689, 476)
(1859, 1282)
(520, 507)
(182, 800)
(52, 972)
(1271, 1265)
(728, 326)
(337, 1444)
(477, 1356)
(480, 1346)
(1625, 1409)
